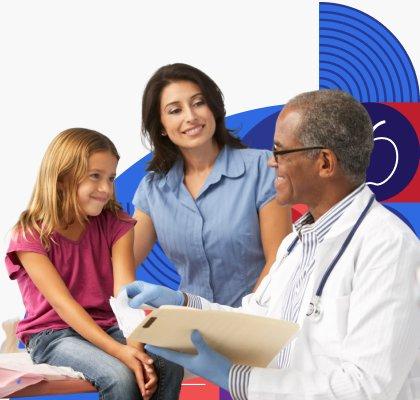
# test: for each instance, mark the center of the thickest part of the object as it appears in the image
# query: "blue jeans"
(113, 379)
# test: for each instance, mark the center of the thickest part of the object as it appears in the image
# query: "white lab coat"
(366, 341)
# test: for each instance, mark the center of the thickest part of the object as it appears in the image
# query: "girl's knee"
(121, 374)
(118, 382)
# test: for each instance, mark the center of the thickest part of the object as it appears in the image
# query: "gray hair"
(335, 120)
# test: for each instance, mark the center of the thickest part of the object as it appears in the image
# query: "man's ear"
(327, 163)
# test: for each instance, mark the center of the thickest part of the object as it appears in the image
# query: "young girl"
(70, 251)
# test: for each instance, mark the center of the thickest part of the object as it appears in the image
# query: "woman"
(207, 199)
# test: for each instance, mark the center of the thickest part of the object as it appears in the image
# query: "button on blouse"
(214, 240)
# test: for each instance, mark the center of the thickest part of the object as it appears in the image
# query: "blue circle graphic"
(395, 156)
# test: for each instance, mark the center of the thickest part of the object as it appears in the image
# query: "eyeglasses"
(278, 153)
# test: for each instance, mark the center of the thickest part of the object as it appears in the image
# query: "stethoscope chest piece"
(314, 309)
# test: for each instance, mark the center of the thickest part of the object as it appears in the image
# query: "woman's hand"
(141, 365)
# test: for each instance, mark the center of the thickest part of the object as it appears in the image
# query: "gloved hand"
(207, 363)
(146, 293)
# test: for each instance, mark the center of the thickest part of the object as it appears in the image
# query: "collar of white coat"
(334, 216)
(351, 213)
(344, 223)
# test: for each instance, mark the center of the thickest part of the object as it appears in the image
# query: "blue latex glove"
(207, 363)
(140, 292)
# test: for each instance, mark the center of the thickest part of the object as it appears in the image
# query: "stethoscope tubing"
(314, 305)
(343, 247)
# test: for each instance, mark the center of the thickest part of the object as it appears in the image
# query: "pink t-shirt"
(84, 265)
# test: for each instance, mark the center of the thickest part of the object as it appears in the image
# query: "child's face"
(98, 186)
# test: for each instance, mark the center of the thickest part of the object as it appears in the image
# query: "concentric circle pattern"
(361, 56)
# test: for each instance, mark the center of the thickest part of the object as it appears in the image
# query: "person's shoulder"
(252, 154)
(386, 227)
(29, 235)
(151, 180)
(25, 239)
(252, 157)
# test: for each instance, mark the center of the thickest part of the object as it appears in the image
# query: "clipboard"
(243, 338)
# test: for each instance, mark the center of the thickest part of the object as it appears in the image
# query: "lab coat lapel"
(281, 272)
(329, 247)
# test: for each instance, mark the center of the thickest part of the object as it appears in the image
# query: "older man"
(345, 274)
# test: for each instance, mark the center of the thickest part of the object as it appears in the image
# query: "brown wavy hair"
(165, 152)
(54, 200)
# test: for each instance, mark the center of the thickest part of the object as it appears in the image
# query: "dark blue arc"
(382, 31)
(375, 69)
(158, 267)
(155, 278)
(340, 67)
(374, 52)
(353, 56)
(384, 39)
(389, 62)
(159, 254)
(340, 77)
(350, 72)
(334, 84)
(369, 34)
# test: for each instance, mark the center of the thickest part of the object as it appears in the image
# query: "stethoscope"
(314, 309)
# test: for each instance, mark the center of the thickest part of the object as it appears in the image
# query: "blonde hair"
(54, 200)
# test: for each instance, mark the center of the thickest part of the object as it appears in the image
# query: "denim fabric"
(111, 377)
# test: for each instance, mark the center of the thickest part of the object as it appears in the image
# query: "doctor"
(344, 275)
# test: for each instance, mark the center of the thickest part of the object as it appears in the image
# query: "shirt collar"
(228, 163)
(175, 175)
(321, 227)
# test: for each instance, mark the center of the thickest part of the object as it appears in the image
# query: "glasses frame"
(278, 153)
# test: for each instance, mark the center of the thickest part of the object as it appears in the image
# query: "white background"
(85, 63)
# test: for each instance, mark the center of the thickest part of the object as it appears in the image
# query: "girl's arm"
(124, 273)
(275, 225)
(49, 282)
(123, 261)
(144, 236)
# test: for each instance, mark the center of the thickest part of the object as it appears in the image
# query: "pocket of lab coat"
(327, 333)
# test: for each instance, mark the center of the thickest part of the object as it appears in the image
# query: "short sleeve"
(265, 190)
(141, 197)
(20, 242)
(118, 226)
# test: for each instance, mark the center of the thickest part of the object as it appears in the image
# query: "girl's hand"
(149, 374)
(137, 360)
(151, 380)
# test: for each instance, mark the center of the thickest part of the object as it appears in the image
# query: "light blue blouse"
(214, 241)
